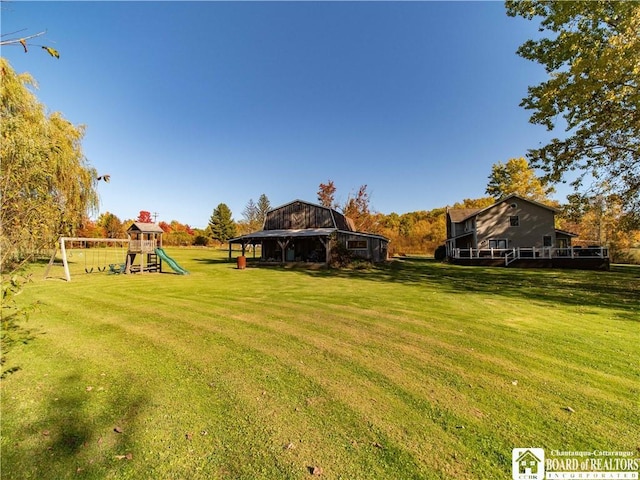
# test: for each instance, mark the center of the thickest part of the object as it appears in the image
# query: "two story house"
(512, 230)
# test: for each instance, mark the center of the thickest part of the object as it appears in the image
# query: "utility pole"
(155, 216)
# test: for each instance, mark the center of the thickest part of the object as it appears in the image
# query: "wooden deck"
(590, 258)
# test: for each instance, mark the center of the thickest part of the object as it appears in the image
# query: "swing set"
(117, 247)
(99, 258)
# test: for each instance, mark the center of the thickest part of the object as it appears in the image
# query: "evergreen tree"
(221, 224)
(264, 205)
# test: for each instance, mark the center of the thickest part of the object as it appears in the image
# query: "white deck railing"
(511, 254)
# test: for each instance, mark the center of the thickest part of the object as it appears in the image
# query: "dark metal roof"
(306, 232)
(299, 214)
(299, 233)
(321, 222)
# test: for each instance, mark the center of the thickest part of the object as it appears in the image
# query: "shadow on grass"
(76, 438)
(12, 333)
(618, 288)
(215, 261)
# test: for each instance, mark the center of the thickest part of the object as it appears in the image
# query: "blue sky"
(192, 104)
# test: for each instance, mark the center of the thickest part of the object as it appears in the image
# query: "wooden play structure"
(144, 252)
(144, 240)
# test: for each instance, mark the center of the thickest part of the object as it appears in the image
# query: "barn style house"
(519, 232)
(300, 231)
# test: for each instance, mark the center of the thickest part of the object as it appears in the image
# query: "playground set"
(143, 243)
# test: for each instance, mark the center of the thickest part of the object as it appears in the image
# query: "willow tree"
(46, 183)
(591, 51)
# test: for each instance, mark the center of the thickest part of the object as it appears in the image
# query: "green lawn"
(413, 370)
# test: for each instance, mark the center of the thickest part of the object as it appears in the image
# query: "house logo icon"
(527, 463)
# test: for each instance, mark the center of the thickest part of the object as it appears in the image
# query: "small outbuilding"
(300, 231)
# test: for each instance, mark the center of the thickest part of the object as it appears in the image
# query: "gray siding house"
(300, 231)
(514, 230)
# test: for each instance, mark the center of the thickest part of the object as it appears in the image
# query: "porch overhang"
(565, 233)
(257, 237)
(284, 237)
(452, 242)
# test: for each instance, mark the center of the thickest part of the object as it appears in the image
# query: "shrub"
(440, 253)
(201, 241)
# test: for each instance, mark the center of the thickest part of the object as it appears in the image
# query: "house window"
(357, 244)
(514, 221)
(546, 241)
(469, 225)
(498, 243)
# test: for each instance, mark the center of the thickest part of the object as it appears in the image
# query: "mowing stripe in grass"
(371, 374)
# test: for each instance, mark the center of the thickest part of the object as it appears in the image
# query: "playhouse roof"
(145, 228)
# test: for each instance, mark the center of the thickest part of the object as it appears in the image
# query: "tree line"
(597, 219)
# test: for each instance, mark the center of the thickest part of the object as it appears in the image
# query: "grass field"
(412, 370)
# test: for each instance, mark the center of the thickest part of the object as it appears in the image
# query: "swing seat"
(116, 268)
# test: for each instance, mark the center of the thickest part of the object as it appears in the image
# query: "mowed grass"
(412, 370)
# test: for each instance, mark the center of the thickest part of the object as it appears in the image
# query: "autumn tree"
(478, 203)
(176, 226)
(326, 194)
(178, 234)
(357, 208)
(250, 214)
(47, 185)
(591, 52)
(144, 217)
(90, 229)
(516, 177)
(111, 225)
(221, 224)
(600, 220)
(200, 237)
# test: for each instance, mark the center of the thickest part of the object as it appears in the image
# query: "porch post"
(327, 249)
(67, 275)
(283, 246)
